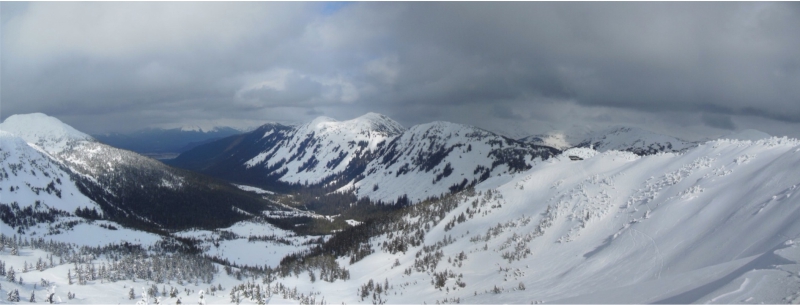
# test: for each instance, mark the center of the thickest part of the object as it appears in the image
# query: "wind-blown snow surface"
(619, 228)
(325, 147)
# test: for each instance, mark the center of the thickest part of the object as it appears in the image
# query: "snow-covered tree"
(13, 295)
(33, 297)
(10, 274)
(144, 300)
(201, 299)
(51, 295)
(131, 294)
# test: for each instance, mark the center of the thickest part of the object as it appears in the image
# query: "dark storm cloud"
(150, 63)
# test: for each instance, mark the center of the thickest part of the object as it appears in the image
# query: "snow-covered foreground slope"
(615, 227)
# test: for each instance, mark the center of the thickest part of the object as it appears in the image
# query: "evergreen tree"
(33, 297)
(10, 274)
(13, 296)
(131, 294)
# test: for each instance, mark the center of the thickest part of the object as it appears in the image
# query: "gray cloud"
(107, 66)
(718, 121)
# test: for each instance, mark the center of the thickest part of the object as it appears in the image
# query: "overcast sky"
(691, 70)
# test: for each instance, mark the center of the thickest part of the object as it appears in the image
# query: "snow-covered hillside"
(34, 188)
(717, 224)
(129, 187)
(371, 155)
(635, 140)
(433, 159)
(325, 147)
(44, 131)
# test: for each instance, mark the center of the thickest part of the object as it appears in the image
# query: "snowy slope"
(325, 147)
(432, 159)
(716, 224)
(44, 131)
(28, 176)
(131, 188)
(636, 140)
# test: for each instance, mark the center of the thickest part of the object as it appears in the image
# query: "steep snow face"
(44, 131)
(30, 178)
(716, 223)
(325, 147)
(436, 158)
(638, 141)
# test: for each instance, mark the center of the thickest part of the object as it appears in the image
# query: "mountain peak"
(637, 140)
(369, 122)
(45, 131)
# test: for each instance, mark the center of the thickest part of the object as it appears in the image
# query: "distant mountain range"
(372, 156)
(165, 143)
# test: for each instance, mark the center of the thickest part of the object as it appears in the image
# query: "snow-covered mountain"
(130, 188)
(555, 140)
(372, 155)
(32, 183)
(714, 223)
(325, 147)
(436, 158)
(46, 132)
(717, 223)
(276, 155)
(635, 140)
